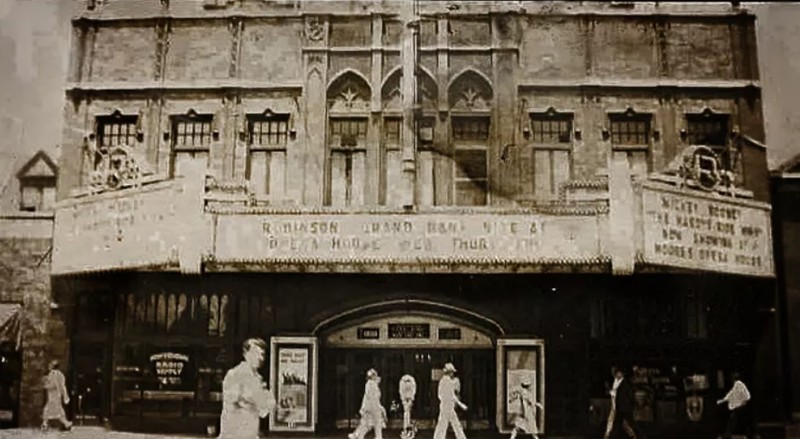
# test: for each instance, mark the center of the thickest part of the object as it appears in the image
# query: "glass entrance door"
(343, 375)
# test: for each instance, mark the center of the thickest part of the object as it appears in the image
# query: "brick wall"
(25, 278)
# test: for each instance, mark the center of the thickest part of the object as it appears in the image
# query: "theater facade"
(523, 189)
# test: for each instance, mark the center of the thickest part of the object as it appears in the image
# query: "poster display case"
(518, 360)
(293, 379)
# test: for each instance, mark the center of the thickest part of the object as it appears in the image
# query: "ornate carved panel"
(349, 93)
(470, 92)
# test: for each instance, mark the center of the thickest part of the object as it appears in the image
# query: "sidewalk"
(84, 433)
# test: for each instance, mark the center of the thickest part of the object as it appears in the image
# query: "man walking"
(623, 404)
(245, 397)
(373, 415)
(737, 399)
(449, 387)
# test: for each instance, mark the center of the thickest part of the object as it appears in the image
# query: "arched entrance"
(406, 337)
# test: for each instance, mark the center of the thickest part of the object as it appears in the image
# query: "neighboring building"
(508, 186)
(786, 226)
(27, 197)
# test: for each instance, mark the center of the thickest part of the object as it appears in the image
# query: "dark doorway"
(10, 373)
(343, 375)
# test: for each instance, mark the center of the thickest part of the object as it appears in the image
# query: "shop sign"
(449, 333)
(418, 239)
(409, 330)
(706, 232)
(169, 367)
(369, 333)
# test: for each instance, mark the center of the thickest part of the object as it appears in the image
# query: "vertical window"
(390, 158)
(191, 141)
(267, 136)
(471, 136)
(37, 194)
(551, 136)
(707, 129)
(348, 156)
(630, 136)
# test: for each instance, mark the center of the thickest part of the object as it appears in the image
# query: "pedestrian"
(449, 388)
(612, 411)
(623, 402)
(55, 387)
(737, 399)
(245, 396)
(373, 415)
(525, 418)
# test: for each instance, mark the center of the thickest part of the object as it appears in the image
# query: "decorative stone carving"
(235, 27)
(470, 92)
(163, 30)
(114, 167)
(349, 94)
(315, 28)
(700, 167)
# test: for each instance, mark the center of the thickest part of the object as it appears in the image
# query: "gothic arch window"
(348, 120)
(470, 98)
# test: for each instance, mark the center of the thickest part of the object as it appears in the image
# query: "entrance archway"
(406, 337)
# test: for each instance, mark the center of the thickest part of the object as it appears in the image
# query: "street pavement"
(83, 433)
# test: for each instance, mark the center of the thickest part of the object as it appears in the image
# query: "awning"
(11, 324)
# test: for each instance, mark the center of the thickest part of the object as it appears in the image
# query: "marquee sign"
(154, 225)
(705, 232)
(480, 238)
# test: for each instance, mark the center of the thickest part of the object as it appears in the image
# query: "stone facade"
(25, 249)
(409, 138)
(584, 63)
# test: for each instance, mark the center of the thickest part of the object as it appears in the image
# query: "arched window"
(470, 96)
(348, 119)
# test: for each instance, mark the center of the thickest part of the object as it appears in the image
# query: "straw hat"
(526, 382)
(448, 367)
(372, 373)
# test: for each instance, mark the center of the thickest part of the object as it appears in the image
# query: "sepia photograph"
(399, 219)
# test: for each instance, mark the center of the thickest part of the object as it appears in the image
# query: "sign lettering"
(409, 330)
(711, 234)
(406, 238)
(369, 333)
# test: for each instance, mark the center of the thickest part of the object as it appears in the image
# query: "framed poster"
(293, 379)
(519, 361)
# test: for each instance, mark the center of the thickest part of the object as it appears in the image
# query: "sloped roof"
(40, 165)
(790, 166)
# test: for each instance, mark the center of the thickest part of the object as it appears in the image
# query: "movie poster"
(292, 400)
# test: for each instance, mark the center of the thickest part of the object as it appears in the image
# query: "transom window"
(707, 129)
(471, 128)
(116, 130)
(391, 129)
(551, 128)
(268, 129)
(349, 130)
(630, 129)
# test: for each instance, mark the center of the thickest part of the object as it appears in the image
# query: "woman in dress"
(525, 419)
(56, 390)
